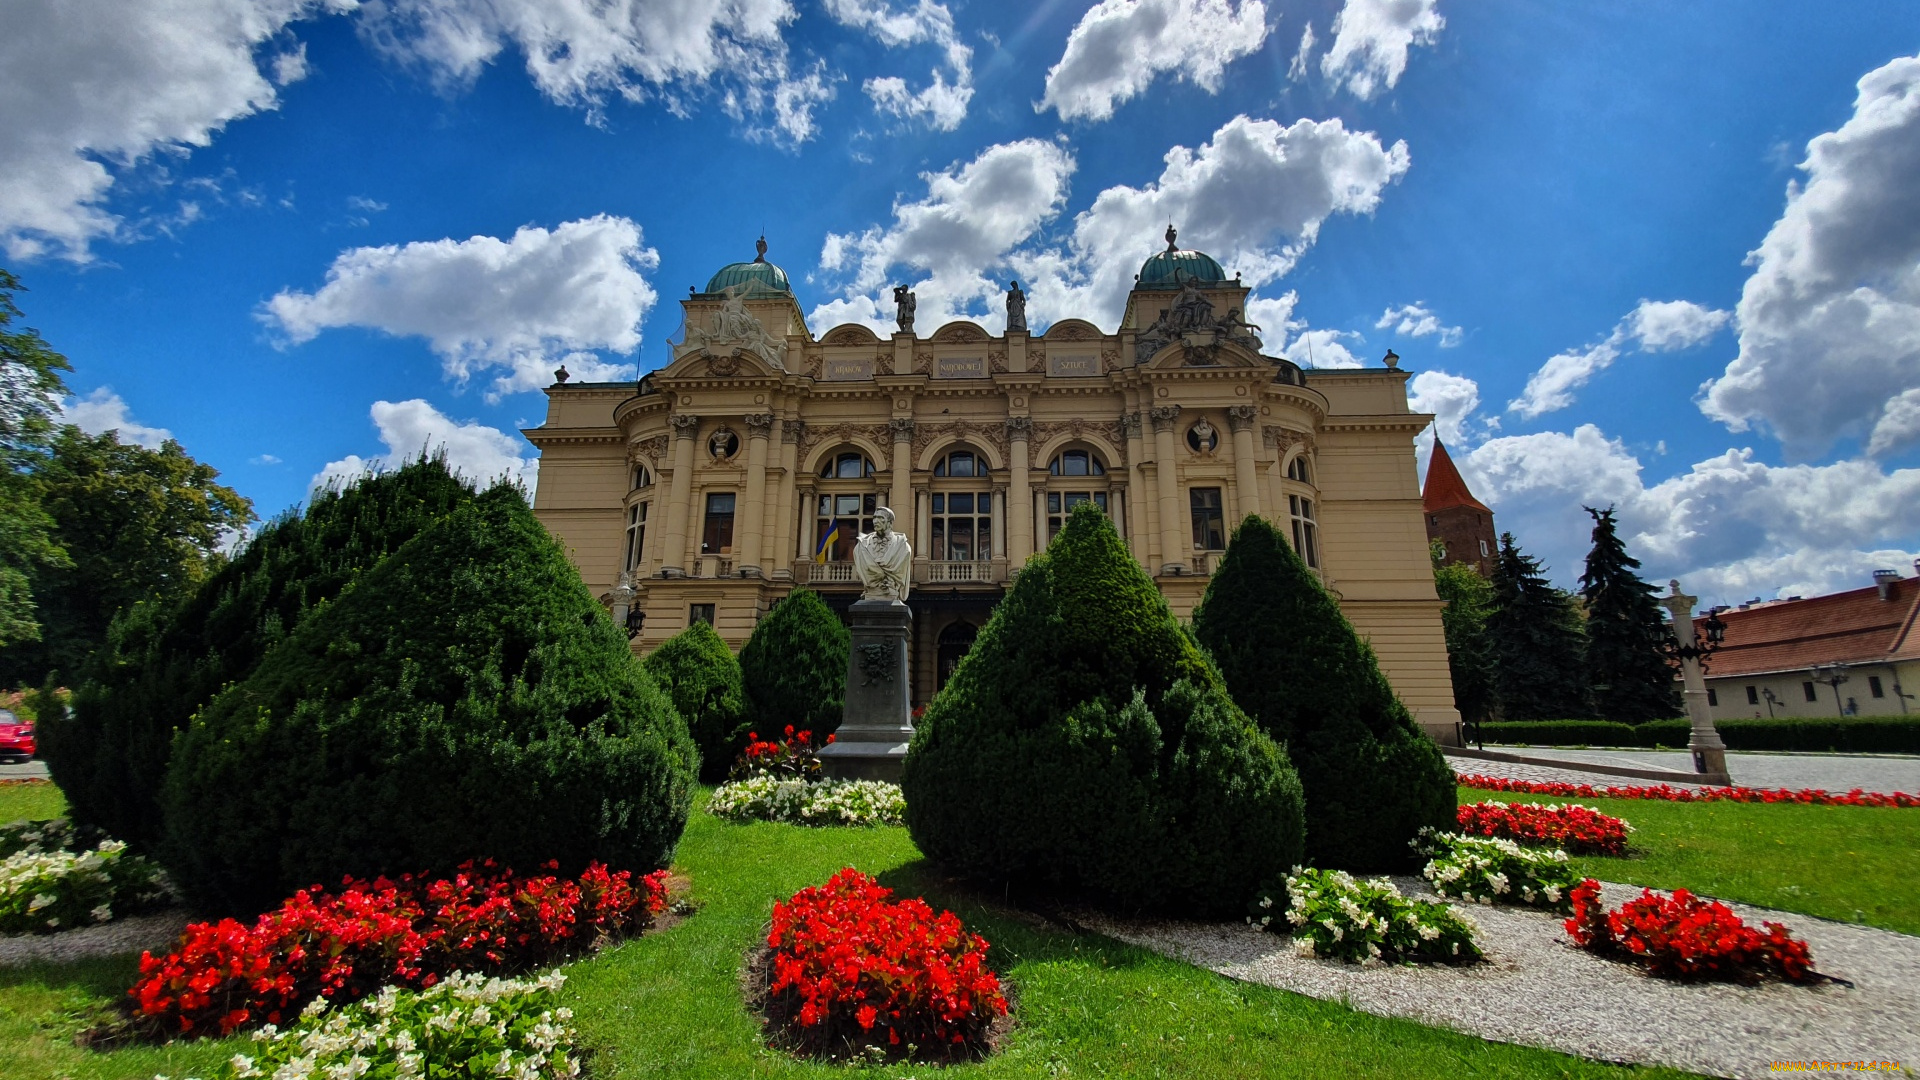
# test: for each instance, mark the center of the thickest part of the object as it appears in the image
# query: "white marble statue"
(881, 559)
(734, 325)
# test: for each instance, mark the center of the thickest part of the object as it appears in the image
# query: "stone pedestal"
(876, 726)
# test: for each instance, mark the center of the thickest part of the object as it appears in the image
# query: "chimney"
(1884, 579)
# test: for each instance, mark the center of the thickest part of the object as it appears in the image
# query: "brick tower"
(1462, 523)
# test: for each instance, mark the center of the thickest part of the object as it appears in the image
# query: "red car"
(16, 738)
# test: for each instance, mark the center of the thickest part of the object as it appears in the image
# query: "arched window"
(843, 508)
(636, 534)
(641, 477)
(1073, 477)
(1297, 470)
(962, 509)
(848, 466)
(1306, 529)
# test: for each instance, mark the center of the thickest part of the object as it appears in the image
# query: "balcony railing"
(942, 572)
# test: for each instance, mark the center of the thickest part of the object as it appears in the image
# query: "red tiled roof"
(1445, 489)
(1852, 627)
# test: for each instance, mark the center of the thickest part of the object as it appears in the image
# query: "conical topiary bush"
(700, 674)
(465, 698)
(1086, 743)
(794, 667)
(1293, 662)
(163, 662)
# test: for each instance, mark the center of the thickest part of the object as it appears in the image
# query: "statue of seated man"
(881, 558)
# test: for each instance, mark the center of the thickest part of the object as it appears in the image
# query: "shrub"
(1579, 829)
(1086, 743)
(410, 932)
(827, 802)
(1372, 779)
(851, 969)
(699, 673)
(42, 892)
(1684, 937)
(1856, 735)
(1335, 916)
(794, 667)
(465, 698)
(109, 753)
(469, 1026)
(1488, 870)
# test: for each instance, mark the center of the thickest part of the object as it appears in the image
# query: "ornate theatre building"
(750, 463)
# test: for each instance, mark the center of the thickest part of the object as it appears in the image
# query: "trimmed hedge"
(793, 667)
(1856, 735)
(1086, 743)
(699, 673)
(464, 699)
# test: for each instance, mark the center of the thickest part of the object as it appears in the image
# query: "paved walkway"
(30, 770)
(1834, 772)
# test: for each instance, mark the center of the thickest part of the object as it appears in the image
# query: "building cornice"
(544, 437)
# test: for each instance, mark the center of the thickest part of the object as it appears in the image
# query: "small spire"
(1171, 234)
(760, 250)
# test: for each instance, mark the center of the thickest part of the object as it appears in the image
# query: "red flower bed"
(227, 975)
(1684, 937)
(1811, 796)
(1577, 829)
(850, 969)
(794, 756)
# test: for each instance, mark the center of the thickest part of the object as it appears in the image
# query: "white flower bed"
(1489, 870)
(1334, 915)
(467, 1026)
(821, 802)
(44, 890)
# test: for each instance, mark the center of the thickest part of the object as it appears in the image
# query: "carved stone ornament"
(997, 361)
(1279, 438)
(730, 331)
(925, 435)
(902, 429)
(724, 365)
(1072, 332)
(1110, 359)
(877, 434)
(1109, 431)
(922, 361)
(723, 444)
(651, 449)
(685, 425)
(1203, 438)
(960, 332)
(792, 430)
(876, 663)
(850, 334)
(1163, 417)
(1241, 417)
(1130, 425)
(760, 424)
(1019, 428)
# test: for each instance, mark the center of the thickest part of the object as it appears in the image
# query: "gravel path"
(156, 931)
(1884, 773)
(1537, 989)
(1507, 770)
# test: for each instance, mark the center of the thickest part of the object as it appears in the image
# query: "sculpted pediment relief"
(960, 332)
(730, 334)
(1073, 330)
(850, 334)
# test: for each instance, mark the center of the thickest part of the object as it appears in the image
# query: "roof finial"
(1171, 234)
(760, 250)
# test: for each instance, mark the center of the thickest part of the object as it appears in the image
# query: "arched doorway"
(955, 640)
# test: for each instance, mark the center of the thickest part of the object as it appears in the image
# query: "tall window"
(636, 533)
(1874, 687)
(1306, 539)
(840, 521)
(962, 511)
(1806, 688)
(848, 466)
(717, 538)
(1064, 493)
(1209, 519)
(699, 613)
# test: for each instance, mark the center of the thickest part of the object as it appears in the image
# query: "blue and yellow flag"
(826, 542)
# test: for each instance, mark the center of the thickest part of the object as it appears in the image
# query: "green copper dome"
(758, 275)
(1170, 268)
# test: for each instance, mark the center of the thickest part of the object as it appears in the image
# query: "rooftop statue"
(903, 305)
(881, 559)
(1016, 307)
(733, 325)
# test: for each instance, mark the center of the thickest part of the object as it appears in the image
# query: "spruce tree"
(1539, 655)
(794, 667)
(1627, 665)
(1086, 743)
(1372, 779)
(466, 698)
(163, 661)
(1469, 603)
(700, 674)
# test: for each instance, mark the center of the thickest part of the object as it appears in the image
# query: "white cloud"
(971, 217)
(1652, 326)
(90, 87)
(1830, 318)
(942, 104)
(264, 459)
(104, 410)
(1898, 426)
(1302, 57)
(1120, 46)
(1371, 39)
(1321, 349)
(524, 304)
(410, 428)
(1416, 320)
(1450, 398)
(1253, 197)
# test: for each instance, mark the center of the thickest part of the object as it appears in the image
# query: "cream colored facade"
(706, 489)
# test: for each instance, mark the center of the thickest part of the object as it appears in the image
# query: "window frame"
(1306, 528)
(714, 520)
(1215, 517)
(636, 534)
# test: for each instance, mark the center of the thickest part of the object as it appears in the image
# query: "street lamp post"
(1833, 675)
(1709, 753)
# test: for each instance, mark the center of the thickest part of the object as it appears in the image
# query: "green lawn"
(669, 1005)
(1850, 863)
(31, 801)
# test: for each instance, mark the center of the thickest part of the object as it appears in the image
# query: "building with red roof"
(1462, 523)
(1853, 653)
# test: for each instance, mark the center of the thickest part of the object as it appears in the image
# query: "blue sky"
(1660, 256)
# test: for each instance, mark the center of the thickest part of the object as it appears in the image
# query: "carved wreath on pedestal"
(876, 663)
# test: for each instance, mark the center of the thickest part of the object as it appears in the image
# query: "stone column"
(901, 498)
(1709, 753)
(753, 515)
(1136, 515)
(1240, 419)
(673, 549)
(1164, 418)
(923, 528)
(790, 491)
(1019, 524)
(877, 722)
